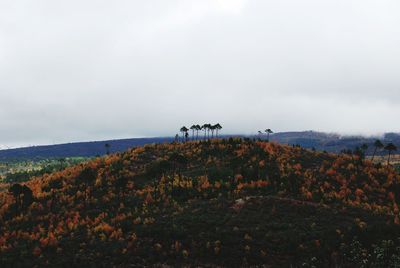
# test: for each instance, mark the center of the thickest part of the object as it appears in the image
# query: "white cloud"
(81, 70)
(230, 6)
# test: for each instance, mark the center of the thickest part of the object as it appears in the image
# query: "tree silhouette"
(204, 127)
(193, 128)
(378, 145)
(363, 151)
(208, 130)
(218, 127)
(23, 196)
(268, 131)
(212, 128)
(358, 151)
(27, 197)
(391, 148)
(198, 128)
(107, 145)
(53, 186)
(87, 176)
(184, 130)
(16, 191)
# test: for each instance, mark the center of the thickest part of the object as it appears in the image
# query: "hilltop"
(232, 202)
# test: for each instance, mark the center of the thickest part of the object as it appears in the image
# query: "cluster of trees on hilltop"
(390, 147)
(378, 145)
(268, 131)
(207, 128)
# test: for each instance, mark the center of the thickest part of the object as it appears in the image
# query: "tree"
(358, 151)
(390, 147)
(217, 127)
(205, 128)
(198, 128)
(268, 131)
(361, 151)
(87, 176)
(208, 130)
(16, 191)
(120, 184)
(193, 128)
(378, 145)
(107, 145)
(364, 147)
(27, 197)
(178, 161)
(212, 128)
(62, 161)
(23, 196)
(53, 186)
(183, 130)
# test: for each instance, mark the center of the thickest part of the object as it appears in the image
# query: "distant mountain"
(307, 139)
(332, 142)
(78, 149)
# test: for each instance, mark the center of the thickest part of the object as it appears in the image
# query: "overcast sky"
(90, 70)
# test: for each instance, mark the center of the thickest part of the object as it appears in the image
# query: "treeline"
(46, 168)
(207, 128)
(378, 146)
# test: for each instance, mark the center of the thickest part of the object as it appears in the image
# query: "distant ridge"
(77, 149)
(332, 142)
(308, 139)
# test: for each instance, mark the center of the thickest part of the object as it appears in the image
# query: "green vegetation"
(21, 171)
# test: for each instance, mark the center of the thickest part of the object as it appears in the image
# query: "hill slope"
(228, 203)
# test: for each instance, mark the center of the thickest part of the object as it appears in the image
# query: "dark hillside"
(229, 203)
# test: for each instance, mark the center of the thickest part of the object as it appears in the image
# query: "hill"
(308, 139)
(230, 203)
